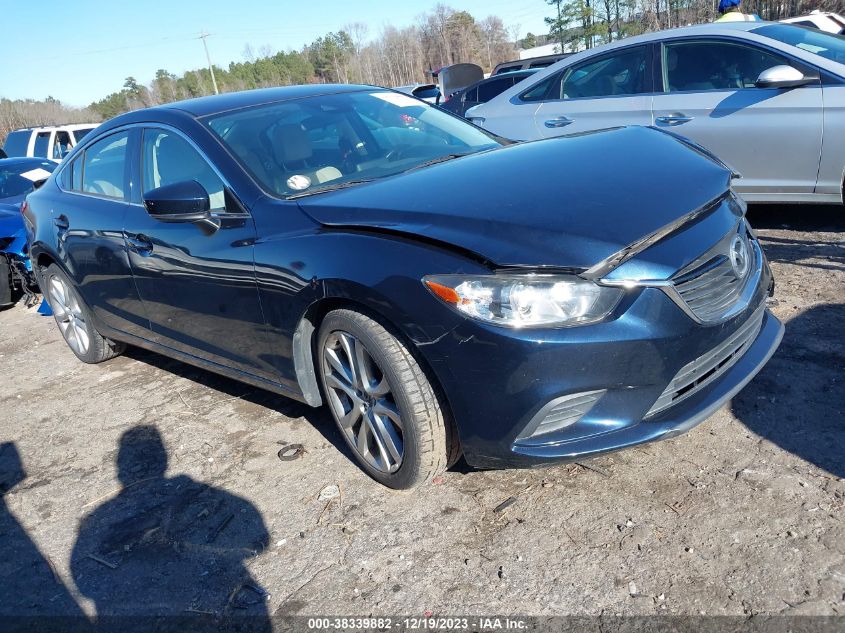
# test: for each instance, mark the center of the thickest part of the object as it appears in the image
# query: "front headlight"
(516, 300)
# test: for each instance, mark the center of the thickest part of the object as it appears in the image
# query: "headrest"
(291, 144)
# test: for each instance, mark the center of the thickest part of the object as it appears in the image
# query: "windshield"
(18, 179)
(307, 145)
(812, 40)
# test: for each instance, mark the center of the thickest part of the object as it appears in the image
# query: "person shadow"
(32, 595)
(169, 553)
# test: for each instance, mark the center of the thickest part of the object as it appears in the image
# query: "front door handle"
(674, 119)
(141, 244)
(560, 121)
(61, 222)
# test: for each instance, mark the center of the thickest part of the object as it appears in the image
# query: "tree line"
(580, 24)
(391, 57)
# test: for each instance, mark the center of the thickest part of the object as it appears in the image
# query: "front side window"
(701, 66)
(104, 167)
(61, 145)
(304, 146)
(621, 74)
(168, 158)
(42, 145)
(814, 41)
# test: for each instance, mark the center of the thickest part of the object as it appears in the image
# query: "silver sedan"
(767, 98)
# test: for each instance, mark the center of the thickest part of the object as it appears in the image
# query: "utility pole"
(202, 36)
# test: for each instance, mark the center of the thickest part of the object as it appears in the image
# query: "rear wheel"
(74, 319)
(386, 408)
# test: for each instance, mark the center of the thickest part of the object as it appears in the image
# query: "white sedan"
(767, 98)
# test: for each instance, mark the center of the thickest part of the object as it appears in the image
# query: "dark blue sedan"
(443, 292)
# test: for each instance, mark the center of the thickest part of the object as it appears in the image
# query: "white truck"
(50, 142)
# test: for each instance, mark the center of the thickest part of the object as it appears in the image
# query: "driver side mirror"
(185, 201)
(782, 77)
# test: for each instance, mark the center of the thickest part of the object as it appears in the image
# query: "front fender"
(302, 277)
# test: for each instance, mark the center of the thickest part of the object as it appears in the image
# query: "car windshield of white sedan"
(306, 146)
(812, 40)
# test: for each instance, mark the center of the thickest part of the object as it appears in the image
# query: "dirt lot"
(742, 516)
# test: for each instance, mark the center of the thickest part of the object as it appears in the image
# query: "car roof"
(204, 106)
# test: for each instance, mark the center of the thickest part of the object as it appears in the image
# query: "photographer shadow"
(32, 595)
(169, 552)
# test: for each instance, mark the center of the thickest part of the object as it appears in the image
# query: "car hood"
(567, 202)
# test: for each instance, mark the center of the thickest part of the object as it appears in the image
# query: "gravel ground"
(742, 516)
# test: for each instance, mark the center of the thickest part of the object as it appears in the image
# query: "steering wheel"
(397, 153)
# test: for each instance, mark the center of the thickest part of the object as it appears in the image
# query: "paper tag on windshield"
(36, 174)
(299, 182)
(396, 98)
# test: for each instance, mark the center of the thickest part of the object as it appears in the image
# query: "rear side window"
(42, 145)
(104, 167)
(17, 143)
(76, 175)
(714, 65)
(620, 74)
(80, 134)
(471, 94)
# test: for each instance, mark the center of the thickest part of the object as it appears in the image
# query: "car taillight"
(446, 98)
(24, 207)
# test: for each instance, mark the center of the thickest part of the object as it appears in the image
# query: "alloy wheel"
(69, 316)
(362, 402)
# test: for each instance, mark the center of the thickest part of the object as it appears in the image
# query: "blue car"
(18, 177)
(441, 290)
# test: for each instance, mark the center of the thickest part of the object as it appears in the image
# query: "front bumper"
(498, 381)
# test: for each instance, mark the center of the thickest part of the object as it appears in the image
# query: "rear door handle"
(141, 244)
(62, 222)
(674, 119)
(560, 121)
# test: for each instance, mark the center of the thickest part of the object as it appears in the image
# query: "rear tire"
(384, 405)
(75, 320)
(5, 283)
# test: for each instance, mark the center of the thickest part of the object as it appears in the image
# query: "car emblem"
(739, 256)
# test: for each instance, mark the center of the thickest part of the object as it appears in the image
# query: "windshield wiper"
(327, 188)
(439, 159)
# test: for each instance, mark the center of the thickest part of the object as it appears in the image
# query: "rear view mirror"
(185, 201)
(782, 77)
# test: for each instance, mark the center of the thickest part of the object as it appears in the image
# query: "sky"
(79, 51)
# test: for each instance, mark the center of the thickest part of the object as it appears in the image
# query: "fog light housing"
(560, 413)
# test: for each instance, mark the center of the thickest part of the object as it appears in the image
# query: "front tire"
(75, 320)
(384, 405)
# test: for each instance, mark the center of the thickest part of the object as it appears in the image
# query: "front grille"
(714, 286)
(696, 375)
